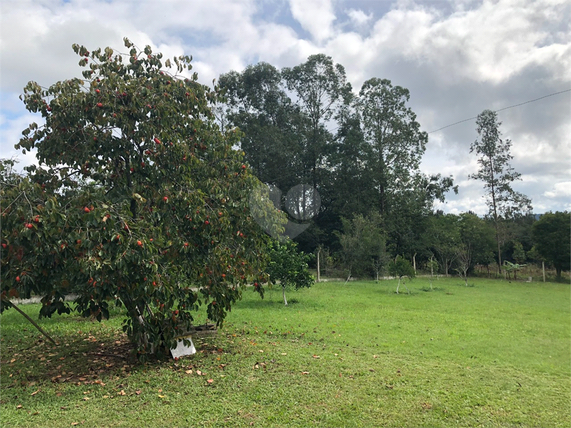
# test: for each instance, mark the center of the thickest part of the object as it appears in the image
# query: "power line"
(502, 109)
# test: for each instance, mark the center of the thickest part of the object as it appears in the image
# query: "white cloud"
(358, 17)
(559, 190)
(315, 16)
(10, 134)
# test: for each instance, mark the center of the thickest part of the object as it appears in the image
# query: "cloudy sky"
(457, 58)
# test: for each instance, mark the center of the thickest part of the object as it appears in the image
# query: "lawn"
(357, 354)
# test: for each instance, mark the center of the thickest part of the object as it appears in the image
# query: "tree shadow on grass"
(266, 303)
(81, 360)
(428, 289)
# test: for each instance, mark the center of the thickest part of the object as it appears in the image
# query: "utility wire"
(502, 109)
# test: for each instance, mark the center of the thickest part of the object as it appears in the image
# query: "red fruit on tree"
(139, 243)
(4, 245)
(186, 244)
(29, 225)
(156, 140)
(99, 105)
(165, 198)
(86, 209)
(17, 279)
(97, 91)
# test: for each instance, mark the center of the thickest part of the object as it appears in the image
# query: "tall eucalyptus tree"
(497, 174)
(395, 143)
(393, 149)
(320, 89)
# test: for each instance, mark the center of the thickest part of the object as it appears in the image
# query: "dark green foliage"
(139, 199)
(400, 267)
(363, 245)
(394, 143)
(370, 164)
(551, 236)
(257, 103)
(519, 253)
(477, 237)
(443, 238)
(288, 266)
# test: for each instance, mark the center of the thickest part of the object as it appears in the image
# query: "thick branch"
(41, 330)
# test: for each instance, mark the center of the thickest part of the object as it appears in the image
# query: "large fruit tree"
(138, 199)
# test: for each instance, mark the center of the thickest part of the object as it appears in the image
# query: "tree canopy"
(551, 236)
(138, 198)
(497, 174)
(361, 152)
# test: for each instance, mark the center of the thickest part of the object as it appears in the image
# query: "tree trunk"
(404, 283)
(543, 269)
(495, 210)
(349, 277)
(41, 330)
(285, 300)
(414, 263)
(318, 268)
(499, 252)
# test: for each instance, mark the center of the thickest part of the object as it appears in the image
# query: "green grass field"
(495, 354)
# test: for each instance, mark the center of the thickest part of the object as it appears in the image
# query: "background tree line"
(362, 153)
